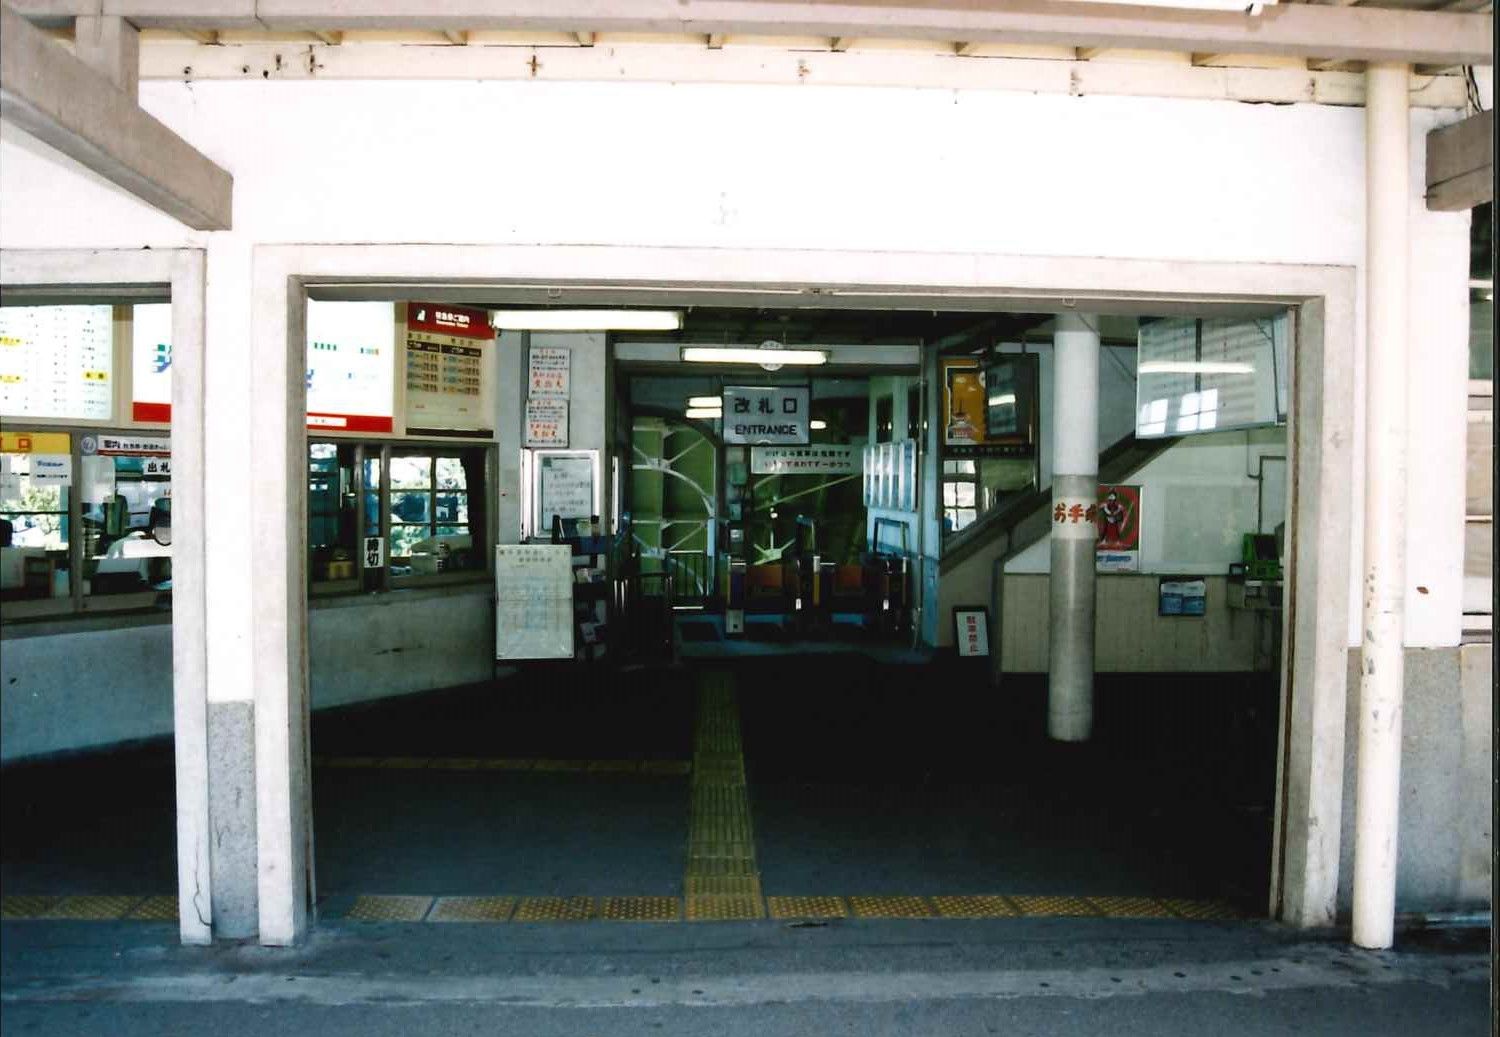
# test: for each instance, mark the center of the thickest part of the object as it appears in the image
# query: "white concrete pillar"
(1378, 783)
(1075, 481)
(111, 45)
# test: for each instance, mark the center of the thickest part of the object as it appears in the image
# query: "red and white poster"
(448, 361)
(1119, 518)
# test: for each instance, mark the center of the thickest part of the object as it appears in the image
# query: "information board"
(448, 364)
(533, 601)
(57, 362)
(830, 459)
(550, 373)
(350, 375)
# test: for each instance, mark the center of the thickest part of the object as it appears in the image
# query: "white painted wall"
(875, 170)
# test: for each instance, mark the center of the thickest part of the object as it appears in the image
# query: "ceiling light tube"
(1195, 367)
(818, 424)
(587, 320)
(704, 413)
(752, 355)
(706, 401)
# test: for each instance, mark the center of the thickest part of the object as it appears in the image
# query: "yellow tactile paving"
(388, 909)
(561, 765)
(92, 908)
(671, 768)
(472, 909)
(1130, 907)
(615, 767)
(806, 907)
(507, 764)
(454, 763)
(639, 909)
(890, 907)
(154, 909)
(1050, 906)
(1202, 910)
(404, 763)
(26, 906)
(984, 905)
(554, 909)
(722, 885)
(703, 866)
(723, 907)
(667, 767)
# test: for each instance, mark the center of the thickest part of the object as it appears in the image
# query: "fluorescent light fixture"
(586, 320)
(714, 402)
(705, 413)
(1003, 400)
(750, 355)
(1195, 367)
(818, 424)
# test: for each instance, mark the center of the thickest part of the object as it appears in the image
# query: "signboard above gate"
(766, 415)
(805, 460)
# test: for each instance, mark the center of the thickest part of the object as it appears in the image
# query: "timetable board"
(57, 362)
(448, 361)
(533, 601)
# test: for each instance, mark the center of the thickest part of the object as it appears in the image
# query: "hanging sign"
(57, 362)
(549, 373)
(351, 381)
(772, 415)
(374, 552)
(1119, 516)
(448, 369)
(546, 423)
(805, 460)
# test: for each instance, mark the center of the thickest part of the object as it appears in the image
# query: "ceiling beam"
(1301, 30)
(1460, 164)
(457, 37)
(62, 102)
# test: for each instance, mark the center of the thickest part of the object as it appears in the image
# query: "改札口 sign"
(766, 415)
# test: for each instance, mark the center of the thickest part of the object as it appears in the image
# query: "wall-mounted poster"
(448, 362)
(989, 410)
(533, 601)
(549, 373)
(151, 361)
(546, 423)
(1182, 596)
(766, 415)
(351, 379)
(1119, 516)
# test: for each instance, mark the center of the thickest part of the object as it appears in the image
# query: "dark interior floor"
(865, 776)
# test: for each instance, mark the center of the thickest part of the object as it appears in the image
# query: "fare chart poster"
(448, 363)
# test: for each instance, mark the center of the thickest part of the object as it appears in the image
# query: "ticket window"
(34, 532)
(125, 512)
(435, 501)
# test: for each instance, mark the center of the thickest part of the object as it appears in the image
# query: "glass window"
(34, 561)
(125, 509)
(331, 512)
(432, 529)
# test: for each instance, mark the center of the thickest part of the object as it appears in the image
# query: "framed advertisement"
(989, 409)
(1119, 516)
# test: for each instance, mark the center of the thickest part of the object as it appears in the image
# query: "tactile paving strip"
(890, 907)
(1048, 907)
(671, 768)
(722, 885)
(1130, 907)
(92, 908)
(806, 907)
(554, 909)
(987, 905)
(19, 907)
(388, 909)
(721, 907)
(1203, 910)
(154, 909)
(639, 909)
(472, 909)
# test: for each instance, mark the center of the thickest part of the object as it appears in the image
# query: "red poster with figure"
(1119, 517)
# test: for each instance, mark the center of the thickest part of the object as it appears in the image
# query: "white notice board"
(533, 601)
(566, 485)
